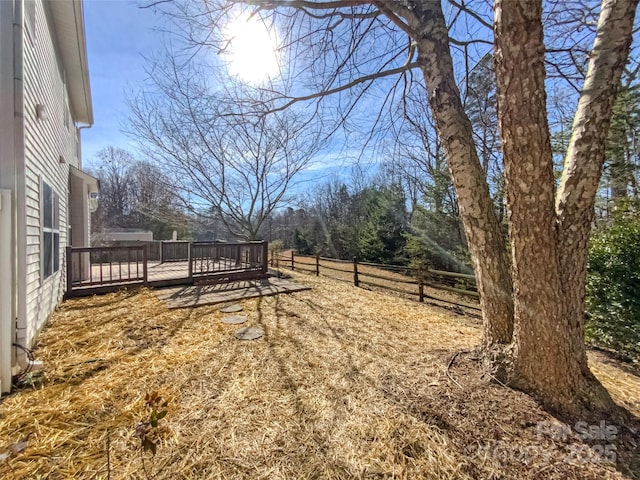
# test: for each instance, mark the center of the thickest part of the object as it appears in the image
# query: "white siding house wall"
(50, 147)
(7, 196)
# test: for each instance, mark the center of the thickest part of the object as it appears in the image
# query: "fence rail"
(159, 250)
(396, 277)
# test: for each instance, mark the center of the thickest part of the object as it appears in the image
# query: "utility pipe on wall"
(19, 231)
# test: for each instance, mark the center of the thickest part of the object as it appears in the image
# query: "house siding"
(47, 141)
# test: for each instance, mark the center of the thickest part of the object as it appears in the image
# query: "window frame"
(50, 230)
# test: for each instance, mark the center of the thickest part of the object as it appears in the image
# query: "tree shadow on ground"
(615, 360)
(501, 429)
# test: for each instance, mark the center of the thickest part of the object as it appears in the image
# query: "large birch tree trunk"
(549, 251)
(585, 157)
(486, 244)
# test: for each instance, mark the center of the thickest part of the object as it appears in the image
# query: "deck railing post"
(161, 252)
(317, 264)
(189, 259)
(356, 281)
(69, 271)
(144, 265)
(265, 256)
(292, 260)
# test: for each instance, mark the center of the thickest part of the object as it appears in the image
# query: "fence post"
(317, 264)
(70, 271)
(421, 289)
(265, 256)
(144, 265)
(189, 259)
(356, 281)
(271, 260)
(292, 261)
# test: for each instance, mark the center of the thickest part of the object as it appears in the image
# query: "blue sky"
(118, 34)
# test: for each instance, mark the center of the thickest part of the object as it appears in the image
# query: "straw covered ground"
(345, 384)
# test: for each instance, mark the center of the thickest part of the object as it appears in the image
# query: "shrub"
(613, 285)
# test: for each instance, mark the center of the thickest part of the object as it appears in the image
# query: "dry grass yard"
(345, 384)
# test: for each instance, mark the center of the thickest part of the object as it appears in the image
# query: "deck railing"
(207, 258)
(102, 269)
(174, 251)
(103, 266)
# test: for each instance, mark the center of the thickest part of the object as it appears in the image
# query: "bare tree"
(116, 188)
(224, 164)
(134, 193)
(343, 48)
(419, 155)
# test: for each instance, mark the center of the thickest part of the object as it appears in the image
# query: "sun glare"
(252, 54)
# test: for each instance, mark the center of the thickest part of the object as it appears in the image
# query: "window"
(50, 231)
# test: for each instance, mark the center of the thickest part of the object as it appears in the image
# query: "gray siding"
(47, 141)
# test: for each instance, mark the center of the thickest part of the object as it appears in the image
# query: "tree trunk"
(486, 244)
(542, 348)
(548, 256)
(575, 199)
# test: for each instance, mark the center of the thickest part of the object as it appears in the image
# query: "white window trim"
(53, 230)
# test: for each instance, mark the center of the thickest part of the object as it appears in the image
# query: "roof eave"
(68, 21)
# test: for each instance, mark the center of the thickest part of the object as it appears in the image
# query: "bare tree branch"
(347, 86)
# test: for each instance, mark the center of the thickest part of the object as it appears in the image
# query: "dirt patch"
(505, 431)
(345, 383)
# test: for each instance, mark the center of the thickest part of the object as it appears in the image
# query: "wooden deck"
(156, 272)
(104, 269)
(158, 275)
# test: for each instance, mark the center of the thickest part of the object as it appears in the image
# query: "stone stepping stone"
(249, 333)
(231, 308)
(234, 319)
